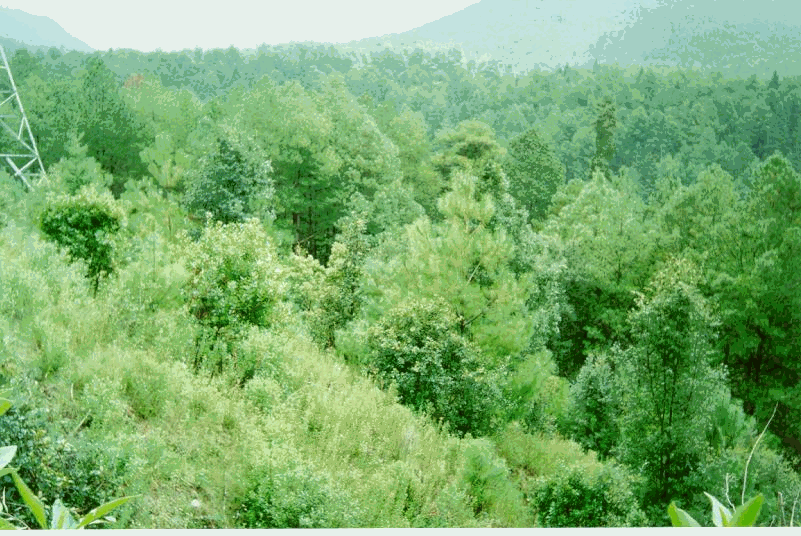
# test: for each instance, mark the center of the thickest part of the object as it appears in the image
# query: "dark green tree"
(229, 187)
(534, 173)
(668, 383)
(605, 126)
(85, 224)
(111, 130)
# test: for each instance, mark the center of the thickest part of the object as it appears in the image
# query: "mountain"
(523, 33)
(19, 29)
(740, 36)
(736, 37)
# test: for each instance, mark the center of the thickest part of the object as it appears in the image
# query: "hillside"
(523, 33)
(743, 38)
(20, 29)
(746, 39)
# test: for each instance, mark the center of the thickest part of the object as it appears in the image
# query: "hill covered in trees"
(299, 287)
(19, 29)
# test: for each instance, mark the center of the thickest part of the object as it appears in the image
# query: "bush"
(146, 388)
(77, 473)
(294, 495)
(578, 498)
(416, 346)
(85, 225)
(235, 282)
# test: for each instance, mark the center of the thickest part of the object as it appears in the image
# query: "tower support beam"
(17, 145)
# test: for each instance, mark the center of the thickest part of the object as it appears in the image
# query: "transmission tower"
(17, 145)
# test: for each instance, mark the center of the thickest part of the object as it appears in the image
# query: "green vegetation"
(293, 289)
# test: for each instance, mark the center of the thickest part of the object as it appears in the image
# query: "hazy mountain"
(19, 29)
(735, 36)
(522, 33)
(745, 35)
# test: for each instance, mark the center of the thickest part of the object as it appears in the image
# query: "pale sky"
(178, 24)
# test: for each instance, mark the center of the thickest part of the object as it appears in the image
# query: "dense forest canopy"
(303, 287)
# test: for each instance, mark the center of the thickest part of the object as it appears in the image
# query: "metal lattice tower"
(17, 145)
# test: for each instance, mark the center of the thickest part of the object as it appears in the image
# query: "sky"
(178, 24)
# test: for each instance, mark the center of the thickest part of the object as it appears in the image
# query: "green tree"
(610, 248)
(77, 169)
(417, 347)
(669, 383)
(235, 283)
(230, 186)
(534, 173)
(85, 224)
(468, 148)
(111, 131)
(757, 285)
(605, 126)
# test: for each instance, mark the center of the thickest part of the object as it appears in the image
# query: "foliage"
(591, 418)
(492, 493)
(417, 347)
(574, 498)
(534, 173)
(111, 131)
(297, 497)
(235, 282)
(744, 516)
(85, 225)
(77, 169)
(229, 187)
(668, 381)
(605, 126)
(62, 518)
(467, 148)
(336, 300)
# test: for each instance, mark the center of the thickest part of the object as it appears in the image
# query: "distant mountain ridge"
(547, 34)
(20, 29)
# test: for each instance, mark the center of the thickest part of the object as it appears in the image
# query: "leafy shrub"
(85, 224)
(744, 515)
(78, 474)
(87, 489)
(417, 347)
(235, 282)
(577, 498)
(294, 495)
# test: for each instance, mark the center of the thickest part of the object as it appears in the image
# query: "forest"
(302, 286)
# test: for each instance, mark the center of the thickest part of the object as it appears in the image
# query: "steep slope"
(23, 29)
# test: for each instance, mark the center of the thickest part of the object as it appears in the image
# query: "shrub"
(145, 387)
(85, 225)
(580, 498)
(83, 475)
(417, 347)
(235, 282)
(293, 495)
